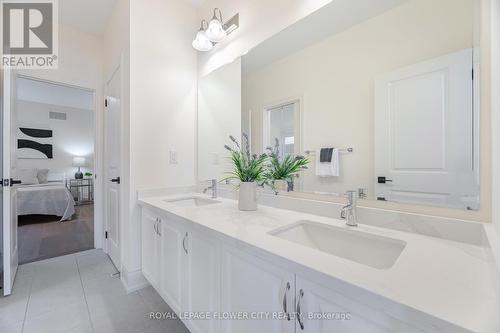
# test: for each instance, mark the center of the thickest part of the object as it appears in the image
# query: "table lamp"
(78, 162)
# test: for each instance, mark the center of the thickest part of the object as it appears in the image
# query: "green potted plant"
(282, 170)
(249, 170)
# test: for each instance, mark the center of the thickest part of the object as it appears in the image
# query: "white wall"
(335, 79)
(163, 77)
(81, 64)
(219, 115)
(495, 107)
(259, 20)
(71, 137)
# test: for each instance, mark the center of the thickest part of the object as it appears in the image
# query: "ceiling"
(90, 16)
(333, 18)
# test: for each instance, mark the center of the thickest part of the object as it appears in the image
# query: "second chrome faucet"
(349, 211)
(213, 188)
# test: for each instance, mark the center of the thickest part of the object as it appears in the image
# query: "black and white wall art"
(34, 143)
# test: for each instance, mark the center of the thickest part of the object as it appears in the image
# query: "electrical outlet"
(174, 157)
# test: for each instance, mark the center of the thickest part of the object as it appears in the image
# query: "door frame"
(6, 121)
(299, 100)
(118, 65)
(299, 124)
(98, 151)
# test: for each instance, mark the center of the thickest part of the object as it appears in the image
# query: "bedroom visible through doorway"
(54, 131)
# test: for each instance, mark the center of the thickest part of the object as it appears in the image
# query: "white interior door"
(424, 137)
(9, 192)
(112, 161)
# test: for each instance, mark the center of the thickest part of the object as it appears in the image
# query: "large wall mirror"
(378, 95)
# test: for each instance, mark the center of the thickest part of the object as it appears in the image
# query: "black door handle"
(383, 180)
(116, 180)
(15, 182)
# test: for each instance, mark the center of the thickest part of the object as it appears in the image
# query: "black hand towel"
(326, 155)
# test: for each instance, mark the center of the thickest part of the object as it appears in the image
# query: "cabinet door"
(150, 247)
(324, 311)
(202, 282)
(171, 263)
(254, 288)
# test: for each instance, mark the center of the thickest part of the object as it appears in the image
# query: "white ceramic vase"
(281, 185)
(248, 196)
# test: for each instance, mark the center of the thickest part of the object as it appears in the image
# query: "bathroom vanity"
(391, 90)
(313, 273)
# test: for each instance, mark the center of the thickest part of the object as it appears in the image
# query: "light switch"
(174, 158)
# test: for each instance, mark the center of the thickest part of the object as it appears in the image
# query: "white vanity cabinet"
(201, 278)
(197, 273)
(172, 261)
(251, 286)
(341, 314)
(183, 266)
(151, 245)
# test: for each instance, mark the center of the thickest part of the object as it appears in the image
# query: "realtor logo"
(29, 34)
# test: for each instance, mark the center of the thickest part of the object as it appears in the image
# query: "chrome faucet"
(213, 188)
(349, 212)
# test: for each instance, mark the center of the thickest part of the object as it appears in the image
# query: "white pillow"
(27, 176)
(43, 176)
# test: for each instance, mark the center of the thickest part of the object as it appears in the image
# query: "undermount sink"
(192, 201)
(367, 249)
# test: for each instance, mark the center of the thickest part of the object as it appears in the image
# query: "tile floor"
(76, 294)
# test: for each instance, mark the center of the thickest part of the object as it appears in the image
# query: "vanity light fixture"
(201, 42)
(215, 31)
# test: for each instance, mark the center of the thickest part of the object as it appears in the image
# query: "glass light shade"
(201, 42)
(215, 31)
(78, 161)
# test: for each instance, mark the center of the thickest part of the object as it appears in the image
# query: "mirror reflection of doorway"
(282, 123)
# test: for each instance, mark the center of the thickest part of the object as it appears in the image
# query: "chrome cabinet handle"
(184, 243)
(155, 225)
(287, 288)
(158, 228)
(299, 314)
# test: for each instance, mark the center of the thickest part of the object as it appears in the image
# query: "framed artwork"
(34, 143)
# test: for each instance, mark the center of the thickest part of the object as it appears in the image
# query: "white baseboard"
(133, 281)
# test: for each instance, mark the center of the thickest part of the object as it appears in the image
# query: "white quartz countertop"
(455, 282)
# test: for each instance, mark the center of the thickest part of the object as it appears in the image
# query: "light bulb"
(201, 42)
(215, 31)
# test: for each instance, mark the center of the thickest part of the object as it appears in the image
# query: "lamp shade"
(201, 42)
(215, 31)
(78, 161)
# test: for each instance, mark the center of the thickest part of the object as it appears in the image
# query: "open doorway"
(54, 155)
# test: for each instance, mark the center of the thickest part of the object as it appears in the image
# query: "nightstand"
(82, 190)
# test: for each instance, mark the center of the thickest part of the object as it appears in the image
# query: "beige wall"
(335, 79)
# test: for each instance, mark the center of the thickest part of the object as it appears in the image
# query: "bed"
(45, 199)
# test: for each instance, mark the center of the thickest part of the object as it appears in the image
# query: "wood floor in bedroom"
(43, 237)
